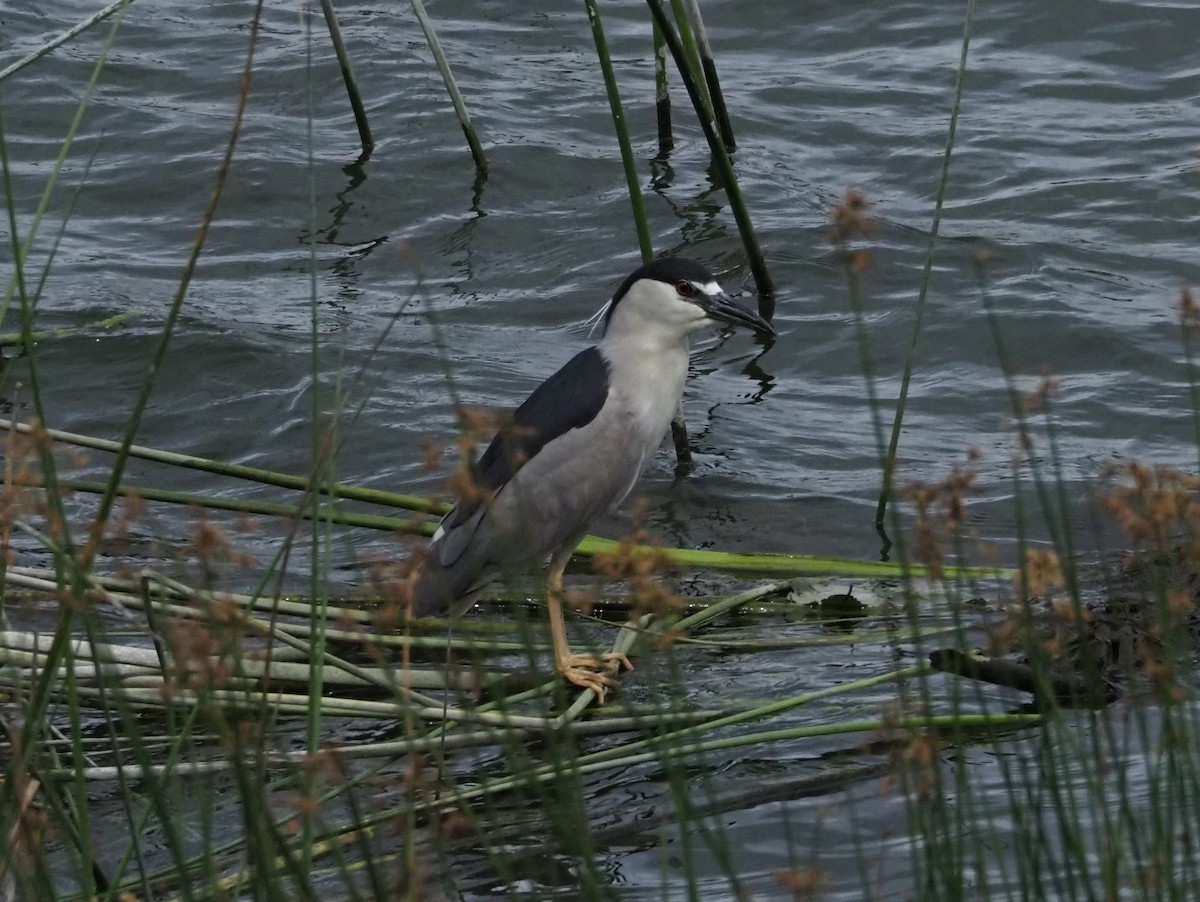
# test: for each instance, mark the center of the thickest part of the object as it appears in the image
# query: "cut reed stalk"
(721, 160)
(460, 107)
(864, 637)
(666, 753)
(662, 93)
(292, 704)
(683, 446)
(692, 51)
(61, 39)
(298, 633)
(709, 67)
(624, 644)
(474, 645)
(715, 610)
(622, 130)
(348, 79)
(129, 593)
(416, 526)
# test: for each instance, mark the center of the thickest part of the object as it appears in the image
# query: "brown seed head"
(850, 218)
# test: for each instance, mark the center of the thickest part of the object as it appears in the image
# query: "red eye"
(685, 288)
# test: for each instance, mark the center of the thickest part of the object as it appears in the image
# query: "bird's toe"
(615, 660)
(586, 678)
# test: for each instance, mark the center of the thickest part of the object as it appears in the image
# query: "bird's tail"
(432, 593)
(440, 590)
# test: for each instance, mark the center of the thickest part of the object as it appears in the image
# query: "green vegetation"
(172, 739)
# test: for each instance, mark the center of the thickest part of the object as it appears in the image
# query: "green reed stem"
(60, 160)
(866, 363)
(235, 471)
(709, 67)
(679, 433)
(61, 547)
(460, 107)
(8, 339)
(71, 32)
(689, 558)
(622, 130)
(889, 466)
(343, 58)
(168, 331)
(1188, 323)
(688, 40)
(40, 699)
(248, 506)
(662, 93)
(724, 165)
(323, 450)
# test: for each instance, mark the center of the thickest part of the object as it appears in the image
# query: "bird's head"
(678, 297)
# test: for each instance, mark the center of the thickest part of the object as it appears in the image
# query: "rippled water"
(1073, 170)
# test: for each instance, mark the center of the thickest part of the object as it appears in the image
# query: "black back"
(569, 399)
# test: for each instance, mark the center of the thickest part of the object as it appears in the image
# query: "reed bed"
(178, 698)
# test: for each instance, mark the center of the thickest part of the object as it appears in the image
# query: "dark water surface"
(1073, 171)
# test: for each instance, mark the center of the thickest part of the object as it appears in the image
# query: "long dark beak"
(725, 309)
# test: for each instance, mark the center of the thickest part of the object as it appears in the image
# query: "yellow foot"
(594, 672)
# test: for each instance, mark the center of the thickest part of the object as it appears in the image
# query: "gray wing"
(564, 462)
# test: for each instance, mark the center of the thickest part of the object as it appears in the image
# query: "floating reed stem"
(889, 463)
(343, 58)
(63, 38)
(709, 67)
(460, 108)
(235, 471)
(715, 610)
(247, 506)
(8, 339)
(132, 593)
(760, 563)
(666, 745)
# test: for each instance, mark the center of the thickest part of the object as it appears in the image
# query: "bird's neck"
(645, 351)
(643, 337)
(648, 373)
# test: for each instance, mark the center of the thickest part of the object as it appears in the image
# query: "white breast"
(648, 383)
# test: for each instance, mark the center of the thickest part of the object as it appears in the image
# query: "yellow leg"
(586, 671)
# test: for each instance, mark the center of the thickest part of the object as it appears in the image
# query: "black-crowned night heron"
(575, 449)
